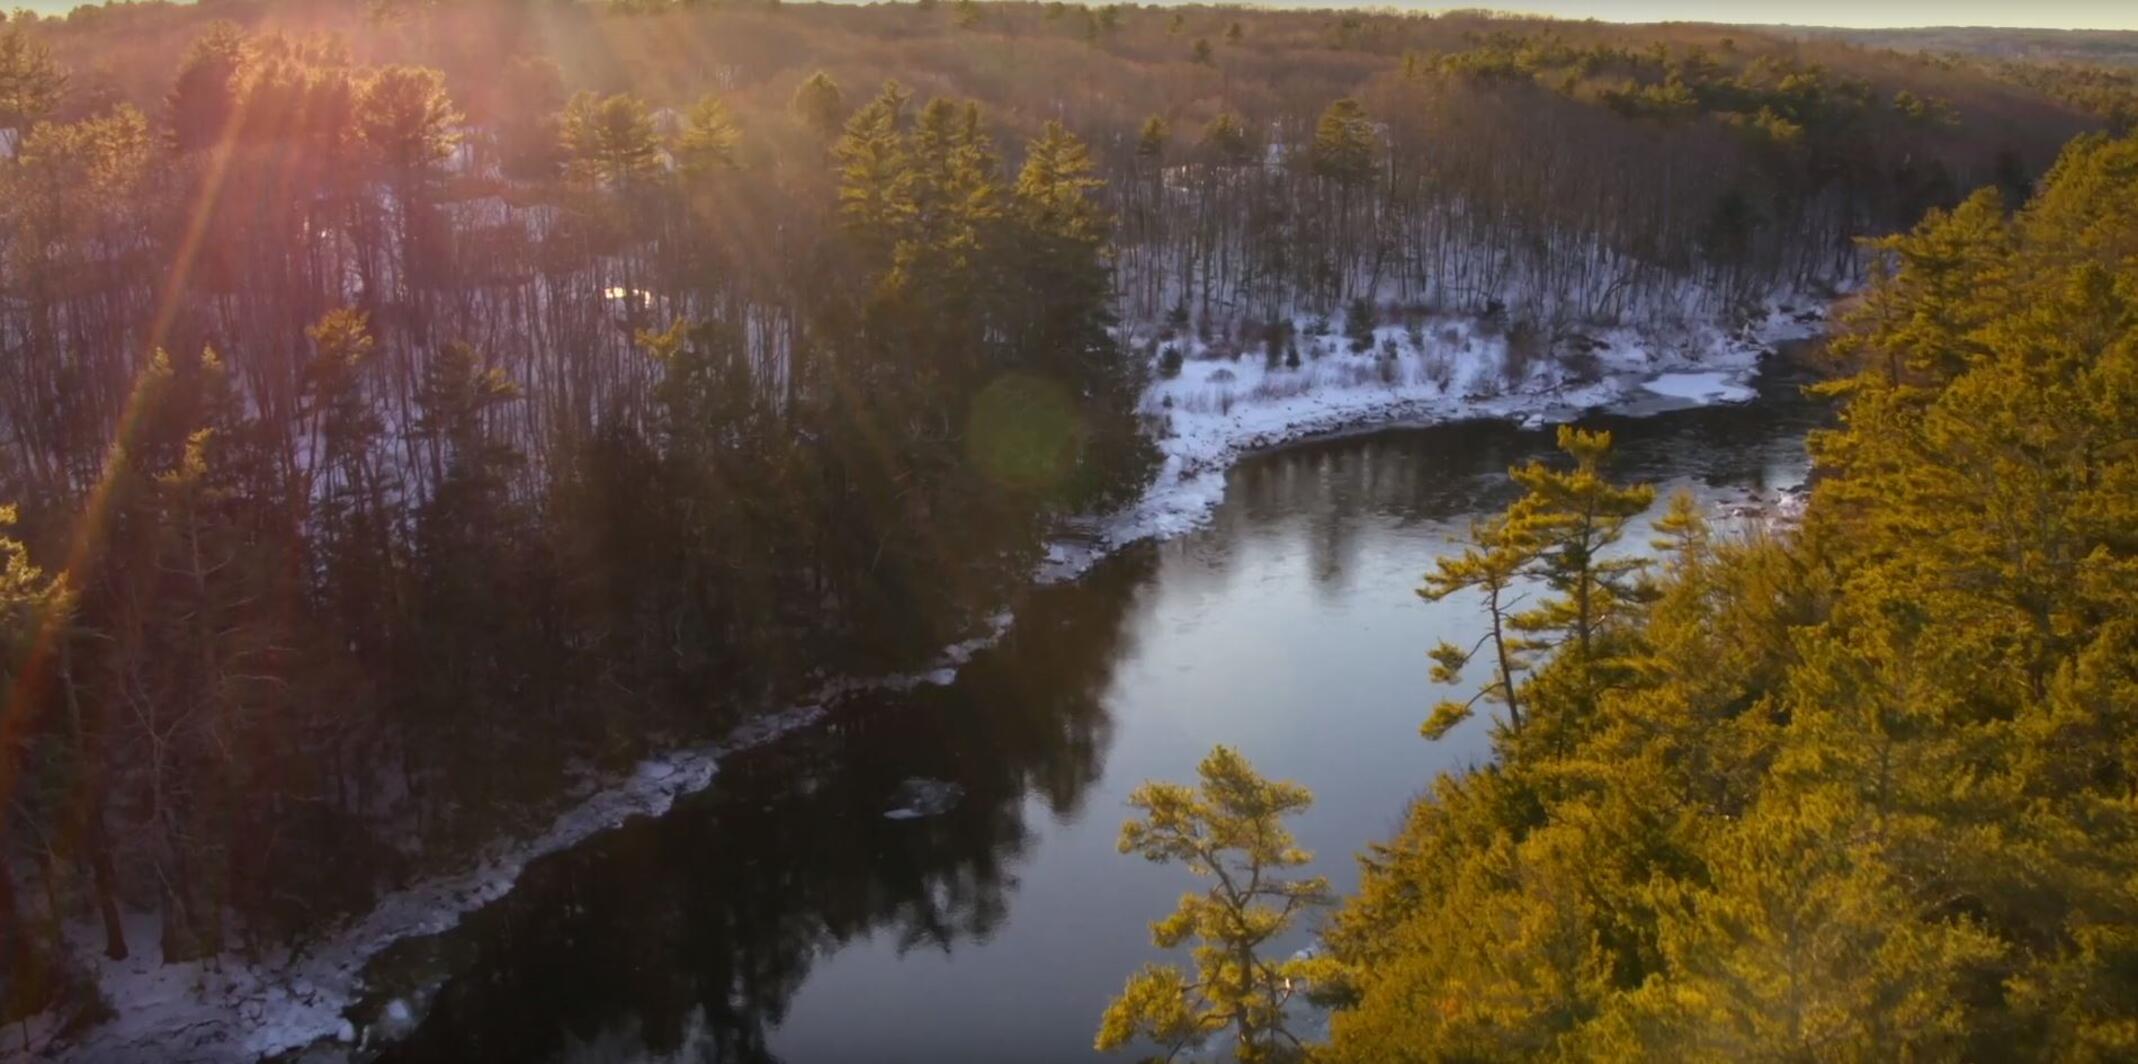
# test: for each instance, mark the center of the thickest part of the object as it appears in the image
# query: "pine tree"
(1493, 560)
(873, 169)
(1574, 517)
(34, 609)
(1226, 138)
(709, 140)
(1151, 139)
(406, 119)
(1344, 143)
(610, 141)
(203, 100)
(32, 83)
(1230, 829)
(1055, 189)
(820, 104)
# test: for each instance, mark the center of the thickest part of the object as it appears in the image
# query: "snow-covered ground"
(1712, 387)
(1215, 410)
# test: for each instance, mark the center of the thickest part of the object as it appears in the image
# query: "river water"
(781, 914)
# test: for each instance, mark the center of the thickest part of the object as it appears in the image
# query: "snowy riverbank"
(1215, 410)
(1219, 408)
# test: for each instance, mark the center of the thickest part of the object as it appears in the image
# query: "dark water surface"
(781, 915)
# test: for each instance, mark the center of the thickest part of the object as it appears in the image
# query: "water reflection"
(687, 937)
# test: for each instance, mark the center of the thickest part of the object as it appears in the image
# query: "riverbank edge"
(229, 1009)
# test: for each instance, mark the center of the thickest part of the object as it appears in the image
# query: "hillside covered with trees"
(1860, 791)
(405, 406)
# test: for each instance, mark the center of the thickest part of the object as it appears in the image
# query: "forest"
(1860, 789)
(1857, 792)
(408, 407)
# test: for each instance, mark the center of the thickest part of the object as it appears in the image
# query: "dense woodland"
(405, 405)
(1855, 789)
(1862, 791)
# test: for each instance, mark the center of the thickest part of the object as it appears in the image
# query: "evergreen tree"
(873, 169)
(33, 608)
(32, 83)
(406, 119)
(1151, 139)
(709, 139)
(1344, 143)
(1575, 516)
(1230, 829)
(820, 104)
(203, 100)
(609, 141)
(1493, 560)
(1226, 138)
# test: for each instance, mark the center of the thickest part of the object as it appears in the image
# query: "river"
(780, 914)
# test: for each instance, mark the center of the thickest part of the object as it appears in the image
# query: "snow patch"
(1227, 402)
(916, 798)
(1711, 387)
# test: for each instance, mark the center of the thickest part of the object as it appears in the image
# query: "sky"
(2044, 14)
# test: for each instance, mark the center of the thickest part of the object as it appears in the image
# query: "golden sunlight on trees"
(1850, 792)
(610, 141)
(1229, 828)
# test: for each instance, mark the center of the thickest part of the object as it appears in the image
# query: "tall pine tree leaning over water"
(1864, 790)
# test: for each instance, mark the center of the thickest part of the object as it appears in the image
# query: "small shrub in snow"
(1279, 386)
(1319, 326)
(1359, 324)
(1452, 337)
(1176, 321)
(1525, 344)
(1223, 376)
(1291, 354)
(1354, 374)
(1439, 367)
(1276, 334)
(1169, 362)
(1217, 400)
(1582, 366)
